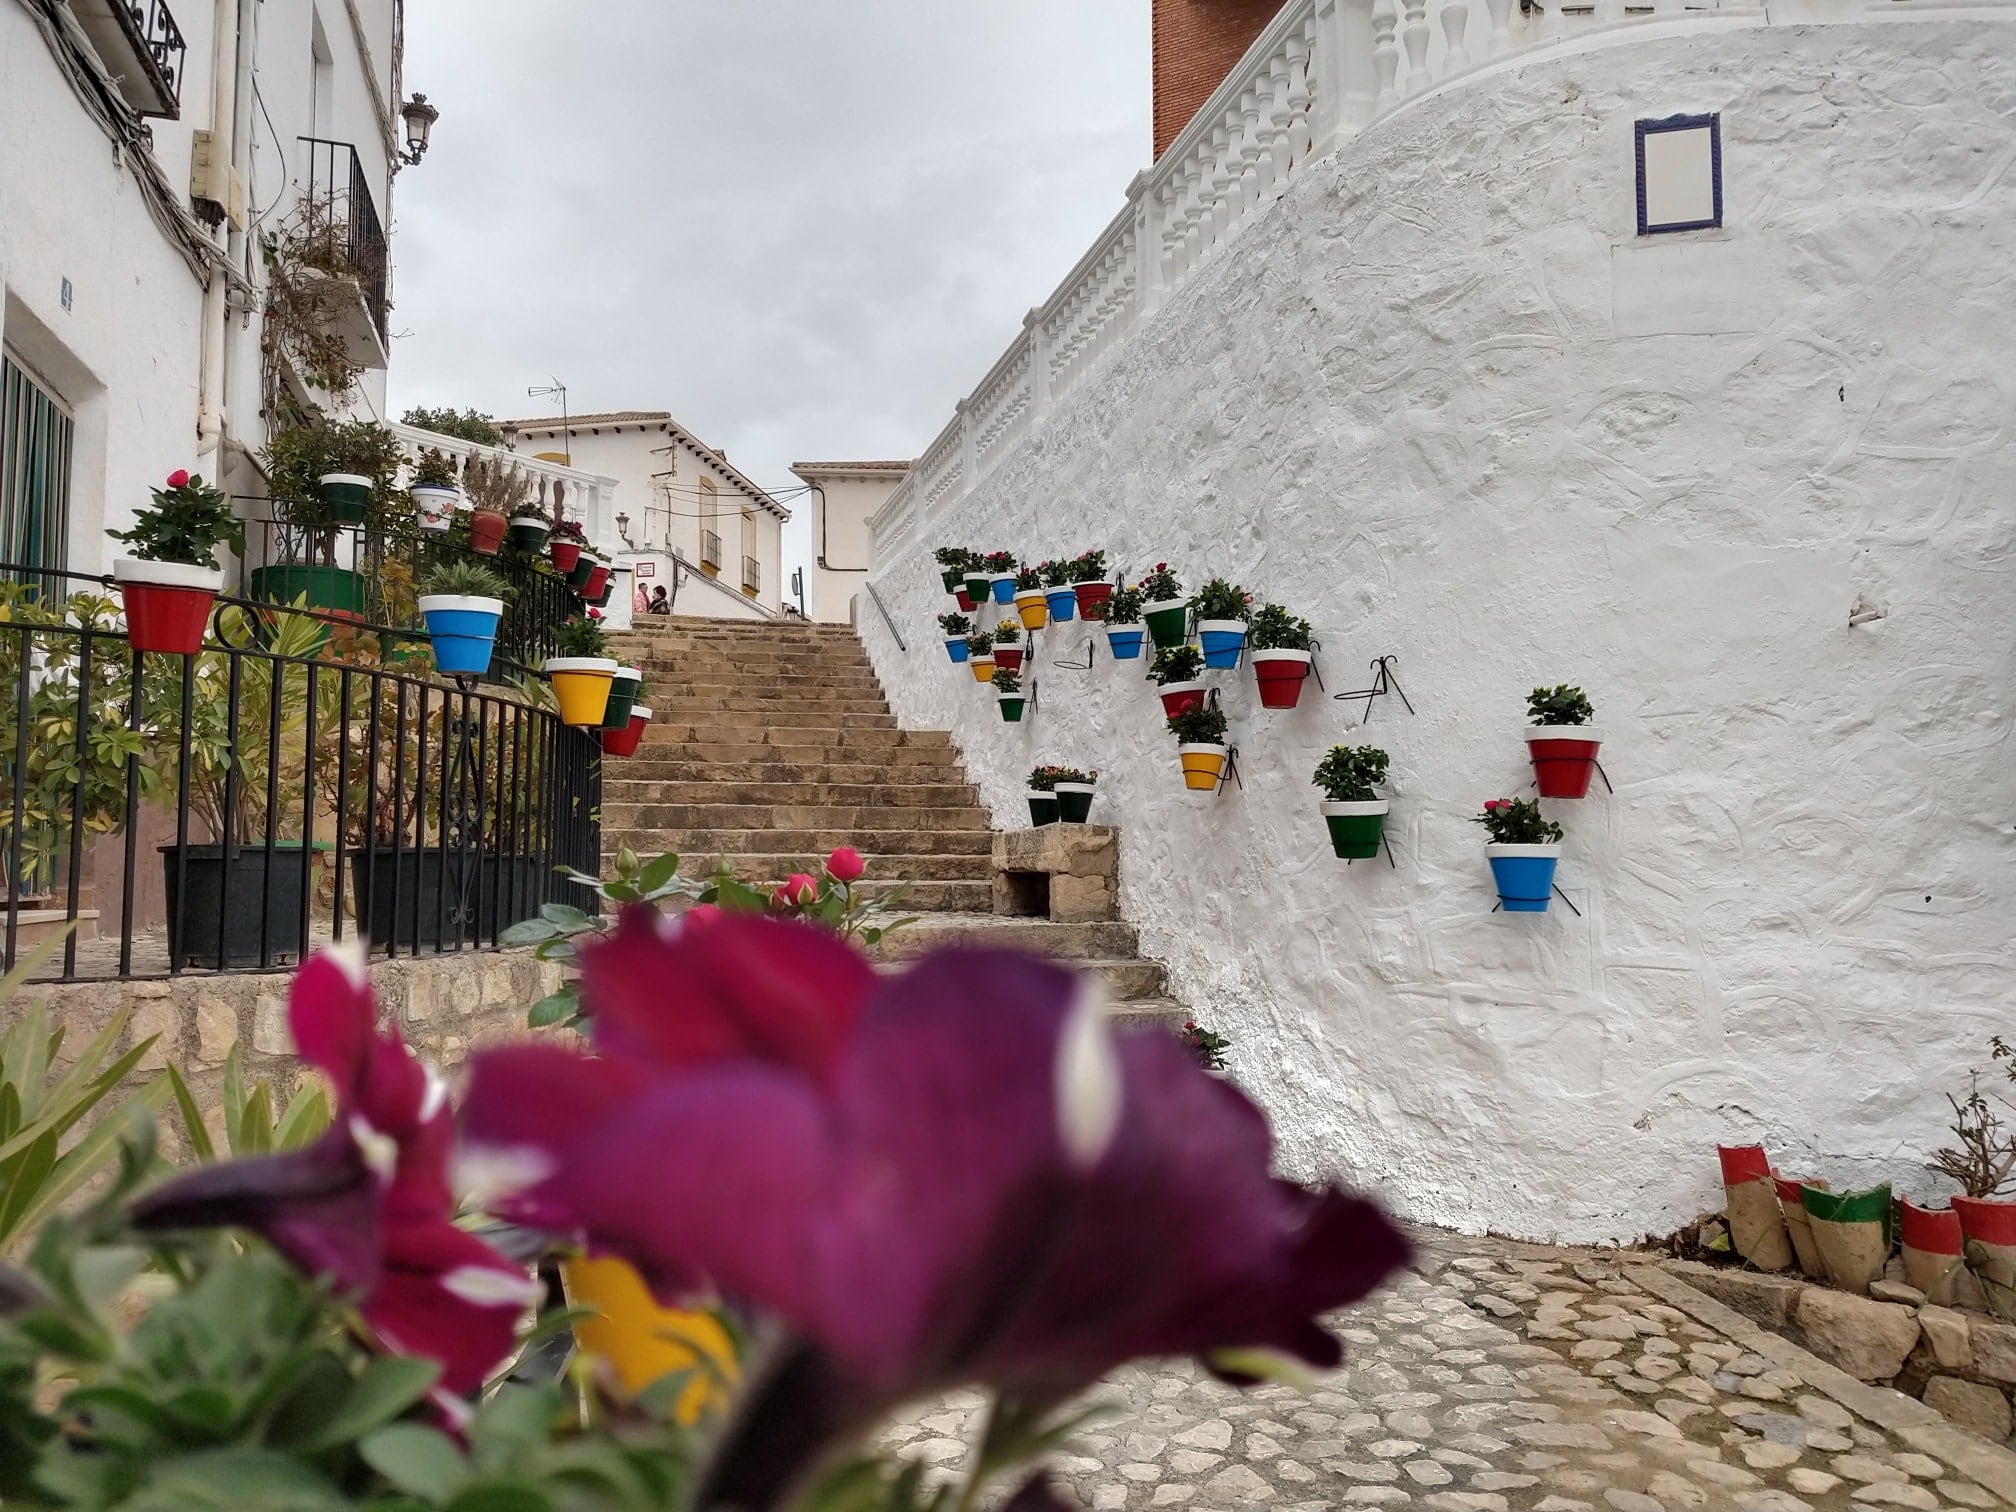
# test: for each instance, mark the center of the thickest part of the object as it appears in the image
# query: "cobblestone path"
(1495, 1376)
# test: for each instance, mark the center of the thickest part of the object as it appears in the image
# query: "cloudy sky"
(806, 227)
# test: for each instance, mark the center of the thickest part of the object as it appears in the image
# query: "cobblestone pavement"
(1495, 1376)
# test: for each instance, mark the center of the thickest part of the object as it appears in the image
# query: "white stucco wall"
(841, 505)
(1441, 400)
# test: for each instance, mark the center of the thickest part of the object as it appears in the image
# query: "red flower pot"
(167, 604)
(965, 600)
(1180, 698)
(486, 531)
(1564, 759)
(597, 584)
(1008, 658)
(1281, 675)
(1090, 594)
(565, 554)
(623, 742)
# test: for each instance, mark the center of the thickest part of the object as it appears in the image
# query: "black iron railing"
(247, 802)
(752, 574)
(339, 196)
(164, 42)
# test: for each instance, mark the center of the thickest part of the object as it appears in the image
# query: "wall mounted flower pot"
(1757, 1229)
(1280, 674)
(1357, 826)
(564, 554)
(623, 742)
(585, 563)
(1524, 874)
(462, 629)
(622, 694)
(979, 586)
(1934, 1247)
(1125, 641)
(1043, 807)
(1203, 766)
(1168, 622)
(954, 578)
(596, 589)
(1074, 801)
(486, 531)
(434, 508)
(167, 603)
(581, 687)
(963, 599)
(1033, 608)
(1222, 641)
(642, 1341)
(1852, 1231)
(1008, 658)
(1798, 1226)
(982, 668)
(348, 496)
(1002, 586)
(336, 591)
(1011, 706)
(1181, 697)
(1062, 603)
(955, 647)
(1091, 595)
(1564, 758)
(1989, 1226)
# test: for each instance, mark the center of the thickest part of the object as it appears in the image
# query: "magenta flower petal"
(526, 1111)
(448, 1296)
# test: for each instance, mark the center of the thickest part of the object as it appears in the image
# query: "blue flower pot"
(1004, 588)
(955, 647)
(463, 631)
(1125, 641)
(1524, 874)
(1222, 641)
(1063, 602)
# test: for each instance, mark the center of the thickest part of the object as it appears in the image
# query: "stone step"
(785, 856)
(1149, 1013)
(807, 843)
(1106, 940)
(670, 760)
(673, 818)
(757, 716)
(682, 734)
(789, 794)
(633, 780)
(1126, 983)
(804, 709)
(710, 683)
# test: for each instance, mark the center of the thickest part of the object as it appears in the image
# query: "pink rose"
(701, 914)
(1492, 805)
(845, 864)
(179, 478)
(797, 889)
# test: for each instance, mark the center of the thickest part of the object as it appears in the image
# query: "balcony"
(348, 242)
(710, 551)
(142, 49)
(752, 576)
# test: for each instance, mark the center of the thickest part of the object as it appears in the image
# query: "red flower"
(1492, 805)
(845, 864)
(703, 913)
(179, 478)
(797, 888)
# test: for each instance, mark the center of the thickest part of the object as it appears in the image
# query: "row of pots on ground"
(1847, 1237)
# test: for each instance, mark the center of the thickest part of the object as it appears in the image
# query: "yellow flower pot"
(581, 687)
(1033, 608)
(983, 668)
(642, 1342)
(1203, 766)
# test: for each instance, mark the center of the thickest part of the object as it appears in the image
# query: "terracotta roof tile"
(805, 467)
(575, 422)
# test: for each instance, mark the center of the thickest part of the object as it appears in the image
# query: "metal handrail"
(886, 619)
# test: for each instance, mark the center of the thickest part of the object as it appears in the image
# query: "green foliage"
(1044, 779)
(1275, 629)
(187, 524)
(980, 643)
(568, 530)
(467, 578)
(463, 425)
(1198, 726)
(1561, 705)
(1160, 585)
(1350, 773)
(1089, 568)
(1221, 600)
(433, 470)
(492, 483)
(959, 557)
(1006, 681)
(1027, 578)
(581, 636)
(250, 1127)
(1008, 633)
(998, 561)
(1055, 574)
(1124, 608)
(299, 456)
(1176, 664)
(1517, 821)
(1209, 1048)
(954, 624)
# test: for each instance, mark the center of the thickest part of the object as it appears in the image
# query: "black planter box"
(483, 895)
(228, 896)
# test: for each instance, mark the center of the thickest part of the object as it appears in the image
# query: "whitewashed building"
(843, 497)
(145, 152)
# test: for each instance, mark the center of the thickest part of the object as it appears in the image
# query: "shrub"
(1221, 600)
(1124, 608)
(1177, 664)
(1160, 584)
(999, 561)
(1089, 568)
(1027, 578)
(1559, 706)
(1044, 779)
(980, 642)
(463, 425)
(188, 522)
(950, 557)
(1008, 632)
(1006, 681)
(569, 530)
(1517, 821)
(581, 636)
(433, 469)
(1350, 773)
(954, 623)
(1275, 629)
(1198, 726)
(1056, 574)
(1209, 1048)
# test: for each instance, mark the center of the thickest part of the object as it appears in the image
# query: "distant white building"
(147, 149)
(844, 497)
(691, 523)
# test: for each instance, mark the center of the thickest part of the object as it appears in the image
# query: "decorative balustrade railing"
(1321, 71)
(246, 802)
(559, 491)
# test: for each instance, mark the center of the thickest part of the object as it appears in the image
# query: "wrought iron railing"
(752, 574)
(337, 186)
(291, 794)
(710, 549)
(164, 42)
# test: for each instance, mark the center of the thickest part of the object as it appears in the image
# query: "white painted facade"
(150, 354)
(1437, 395)
(671, 488)
(843, 498)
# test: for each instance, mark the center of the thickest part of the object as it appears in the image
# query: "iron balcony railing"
(142, 48)
(710, 550)
(752, 574)
(229, 810)
(339, 196)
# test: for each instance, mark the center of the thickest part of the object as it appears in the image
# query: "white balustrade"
(561, 492)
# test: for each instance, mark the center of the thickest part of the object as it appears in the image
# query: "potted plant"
(1222, 609)
(1524, 850)
(434, 490)
(1124, 634)
(172, 578)
(1043, 806)
(1757, 1228)
(1200, 747)
(1561, 742)
(623, 742)
(565, 545)
(1280, 656)
(461, 604)
(1058, 594)
(1008, 646)
(1074, 791)
(1354, 813)
(297, 458)
(1163, 607)
(979, 584)
(583, 568)
(1009, 695)
(600, 576)
(583, 671)
(952, 562)
(1932, 1245)
(1088, 582)
(1852, 1231)
(980, 655)
(1001, 569)
(1180, 672)
(1029, 600)
(496, 490)
(624, 692)
(955, 627)
(528, 530)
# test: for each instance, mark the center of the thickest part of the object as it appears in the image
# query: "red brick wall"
(1196, 44)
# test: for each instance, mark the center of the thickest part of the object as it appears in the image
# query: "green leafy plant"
(1517, 821)
(1562, 705)
(433, 469)
(1044, 779)
(950, 557)
(1275, 629)
(1008, 633)
(463, 425)
(569, 530)
(1055, 574)
(188, 522)
(1028, 578)
(468, 579)
(299, 456)
(1160, 585)
(1088, 568)
(249, 1120)
(1006, 681)
(998, 561)
(1350, 773)
(1209, 1048)
(954, 624)
(1177, 664)
(581, 636)
(1198, 726)
(980, 643)
(1124, 608)
(1220, 600)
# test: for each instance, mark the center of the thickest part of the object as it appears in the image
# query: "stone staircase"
(771, 743)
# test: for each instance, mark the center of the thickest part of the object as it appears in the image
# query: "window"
(748, 544)
(35, 435)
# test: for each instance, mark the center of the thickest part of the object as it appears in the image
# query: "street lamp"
(419, 117)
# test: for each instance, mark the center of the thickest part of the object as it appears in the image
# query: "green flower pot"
(1168, 622)
(953, 578)
(528, 533)
(622, 694)
(348, 497)
(1356, 828)
(334, 590)
(583, 569)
